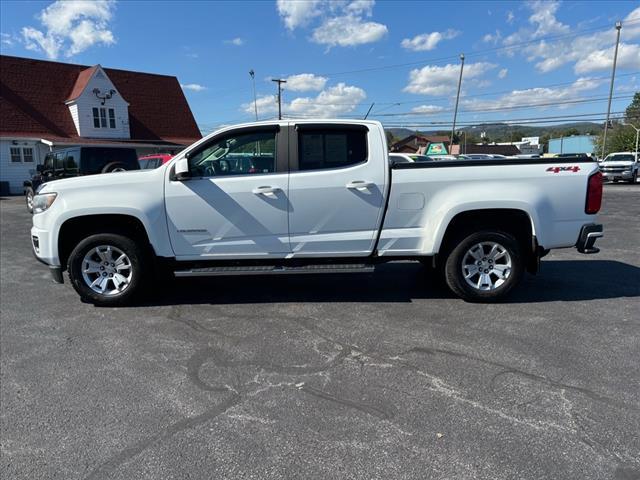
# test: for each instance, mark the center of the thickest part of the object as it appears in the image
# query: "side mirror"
(182, 169)
(39, 168)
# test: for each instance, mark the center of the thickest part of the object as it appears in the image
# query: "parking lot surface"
(383, 375)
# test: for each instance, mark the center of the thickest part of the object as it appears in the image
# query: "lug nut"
(104, 274)
(486, 271)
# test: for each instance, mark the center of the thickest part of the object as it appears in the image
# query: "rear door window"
(94, 159)
(331, 148)
(71, 162)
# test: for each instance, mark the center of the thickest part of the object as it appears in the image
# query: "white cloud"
(428, 41)
(6, 39)
(238, 42)
(492, 37)
(628, 58)
(427, 109)
(433, 80)
(529, 96)
(71, 27)
(305, 82)
(347, 31)
(297, 13)
(194, 87)
(587, 52)
(343, 22)
(331, 102)
(510, 17)
(503, 73)
(267, 105)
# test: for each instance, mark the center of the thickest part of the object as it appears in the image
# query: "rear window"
(331, 148)
(95, 159)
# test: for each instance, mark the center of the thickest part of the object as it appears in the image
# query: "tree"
(620, 137)
(632, 112)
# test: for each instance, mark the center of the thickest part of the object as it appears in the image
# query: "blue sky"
(340, 56)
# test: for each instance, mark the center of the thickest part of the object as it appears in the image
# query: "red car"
(154, 160)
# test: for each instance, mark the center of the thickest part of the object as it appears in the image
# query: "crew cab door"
(336, 189)
(235, 202)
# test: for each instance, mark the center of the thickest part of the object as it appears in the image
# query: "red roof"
(81, 82)
(33, 95)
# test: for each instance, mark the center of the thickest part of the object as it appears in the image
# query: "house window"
(27, 154)
(16, 157)
(100, 117)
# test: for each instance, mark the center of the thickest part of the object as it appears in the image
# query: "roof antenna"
(369, 111)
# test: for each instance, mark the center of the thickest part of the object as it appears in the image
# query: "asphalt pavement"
(359, 376)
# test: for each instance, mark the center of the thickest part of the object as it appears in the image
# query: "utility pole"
(255, 100)
(455, 112)
(279, 81)
(613, 76)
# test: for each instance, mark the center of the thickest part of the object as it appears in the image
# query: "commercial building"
(573, 144)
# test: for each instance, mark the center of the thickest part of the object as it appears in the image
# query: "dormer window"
(100, 117)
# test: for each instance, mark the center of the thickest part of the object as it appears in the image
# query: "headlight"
(43, 201)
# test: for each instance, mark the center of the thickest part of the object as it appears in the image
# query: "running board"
(275, 270)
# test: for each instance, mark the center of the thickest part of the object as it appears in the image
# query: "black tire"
(454, 267)
(634, 178)
(114, 167)
(138, 259)
(28, 196)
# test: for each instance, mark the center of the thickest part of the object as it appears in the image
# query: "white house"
(47, 105)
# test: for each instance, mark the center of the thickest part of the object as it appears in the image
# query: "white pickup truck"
(313, 197)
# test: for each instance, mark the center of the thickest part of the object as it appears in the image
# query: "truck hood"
(616, 164)
(133, 177)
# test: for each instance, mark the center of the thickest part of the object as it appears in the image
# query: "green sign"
(437, 149)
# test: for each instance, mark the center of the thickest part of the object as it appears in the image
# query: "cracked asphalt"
(371, 376)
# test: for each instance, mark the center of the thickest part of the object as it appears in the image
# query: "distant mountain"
(505, 132)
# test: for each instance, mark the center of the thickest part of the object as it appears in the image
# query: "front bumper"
(620, 175)
(41, 249)
(588, 236)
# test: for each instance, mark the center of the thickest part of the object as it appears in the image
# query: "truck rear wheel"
(484, 266)
(107, 269)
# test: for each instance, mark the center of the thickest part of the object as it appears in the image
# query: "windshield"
(420, 158)
(619, 158)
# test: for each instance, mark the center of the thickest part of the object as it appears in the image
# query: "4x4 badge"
(573, 169)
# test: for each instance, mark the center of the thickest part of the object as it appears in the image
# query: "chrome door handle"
(266, 190)
(360, 185)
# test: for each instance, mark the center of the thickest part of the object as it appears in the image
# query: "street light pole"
(637, 134)
(455, 111)
(613, 76)
(279, 81)
(255, 100)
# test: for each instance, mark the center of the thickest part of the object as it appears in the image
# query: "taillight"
(594, 194)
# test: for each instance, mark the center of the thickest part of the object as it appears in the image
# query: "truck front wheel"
(107, 269)
(484, 266)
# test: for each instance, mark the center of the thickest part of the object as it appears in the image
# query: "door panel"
(236, 205)
(336, 211)
(218, 217)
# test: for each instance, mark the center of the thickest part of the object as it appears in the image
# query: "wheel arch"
(515, 221)
(74, 229)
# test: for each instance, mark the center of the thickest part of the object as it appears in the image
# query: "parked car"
(621, 166)
(78, 161)
(313, 197)
(408, 158)
(154, 160)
